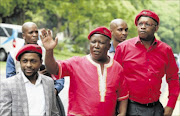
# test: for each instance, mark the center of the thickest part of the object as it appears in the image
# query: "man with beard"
(96, 80)
(119, 31)
(145, 61)
(28, 93)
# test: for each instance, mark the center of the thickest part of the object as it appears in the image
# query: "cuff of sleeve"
(59, 84)
(57, 88)
(172, 102)
(123, 97)
(54, 77)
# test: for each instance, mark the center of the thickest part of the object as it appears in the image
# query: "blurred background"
(72, 20)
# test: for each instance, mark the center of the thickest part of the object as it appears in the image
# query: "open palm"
(47, 40)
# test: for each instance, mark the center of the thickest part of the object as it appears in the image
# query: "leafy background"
(76, 18)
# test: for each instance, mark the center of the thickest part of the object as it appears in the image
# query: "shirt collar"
(38, 81)
(96, 64)
(111, 48)
(139, 41)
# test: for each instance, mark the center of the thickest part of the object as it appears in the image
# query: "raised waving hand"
(47, 40)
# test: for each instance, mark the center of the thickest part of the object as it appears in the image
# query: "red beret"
(100, 30)
(29, 47)
(148, 13)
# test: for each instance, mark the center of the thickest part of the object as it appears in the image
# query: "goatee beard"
(31, 76)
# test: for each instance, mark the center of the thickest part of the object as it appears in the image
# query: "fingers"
(46, 33)
(41, 37)
(56, 39)
(43, 32)
(49, 32)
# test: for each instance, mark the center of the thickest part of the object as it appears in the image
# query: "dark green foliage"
(76, 18)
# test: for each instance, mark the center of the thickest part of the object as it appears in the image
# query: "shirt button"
(149, 79)
(150, 98)
(148, 70)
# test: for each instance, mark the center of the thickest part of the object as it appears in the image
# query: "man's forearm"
(123, 107)
(50, 62)
(168, 111)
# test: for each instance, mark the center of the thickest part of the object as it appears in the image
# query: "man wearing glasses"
(145, 61)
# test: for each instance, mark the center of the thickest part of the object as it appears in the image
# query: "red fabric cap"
(100, 30)
(29, 47)
(147, 13)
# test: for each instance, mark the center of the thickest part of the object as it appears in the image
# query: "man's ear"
(41, 61)
(157, 27)
(109, 46)
(111, 31)
(23, 35)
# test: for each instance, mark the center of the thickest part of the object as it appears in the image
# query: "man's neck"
(102, 62)
(147, 43)
(115, 43)
(33, 78)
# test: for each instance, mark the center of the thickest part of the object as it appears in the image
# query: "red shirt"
(91, 92)
(144, 69)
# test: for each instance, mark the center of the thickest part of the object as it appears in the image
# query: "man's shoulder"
(163, 44)
(78, 57)
(74, 59)
(134, 39)
(46, 77)
(131, 41)
(12, 80)
(115, 63)
(116, 67)
(47, 81)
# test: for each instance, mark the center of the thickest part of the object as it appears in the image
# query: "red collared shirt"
(92, 93)
(144, 69)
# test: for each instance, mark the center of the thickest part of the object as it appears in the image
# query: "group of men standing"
(117, 76)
